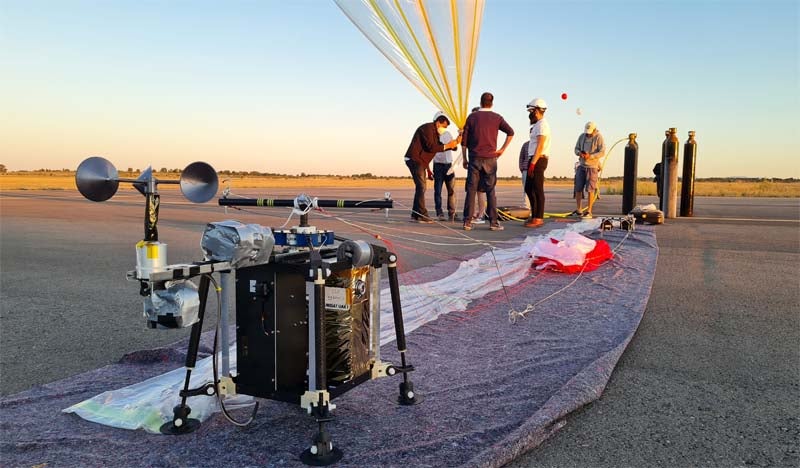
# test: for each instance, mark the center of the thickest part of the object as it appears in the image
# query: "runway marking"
(701, 218)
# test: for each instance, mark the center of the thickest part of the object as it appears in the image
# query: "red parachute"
(574, 254)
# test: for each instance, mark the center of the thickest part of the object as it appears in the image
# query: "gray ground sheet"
(492, 389)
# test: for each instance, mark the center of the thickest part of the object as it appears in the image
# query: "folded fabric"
(575, 254)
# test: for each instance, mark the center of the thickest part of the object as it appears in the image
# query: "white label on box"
(336, 298)
(252, 286)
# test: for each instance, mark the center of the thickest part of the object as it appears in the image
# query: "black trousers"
(534, 188)
(440, 177)
(420, 176)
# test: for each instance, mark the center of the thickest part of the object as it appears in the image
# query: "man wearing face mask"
(539, 150)
(423, 147)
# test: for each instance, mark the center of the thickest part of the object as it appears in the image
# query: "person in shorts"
(589, 148)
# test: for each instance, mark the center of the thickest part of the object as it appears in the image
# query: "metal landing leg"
(407, 394)
(181, 422)
(317, 399)
(322, 452)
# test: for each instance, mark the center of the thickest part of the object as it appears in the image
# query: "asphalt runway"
(712, 377)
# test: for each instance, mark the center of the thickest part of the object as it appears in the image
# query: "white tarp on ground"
(149, 404)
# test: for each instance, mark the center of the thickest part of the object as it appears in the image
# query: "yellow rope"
(426, 71)
(557, 215)
(546, 215)
(397, 42)
(457, 52)
(439, 98)
(508, 215)
(385, 54)
(437, 55)
(476, 28)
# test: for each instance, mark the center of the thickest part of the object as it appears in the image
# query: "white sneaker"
(478, 221)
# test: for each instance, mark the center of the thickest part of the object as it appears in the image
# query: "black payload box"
(272, 329)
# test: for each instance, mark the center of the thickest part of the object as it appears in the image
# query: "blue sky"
(293, 87)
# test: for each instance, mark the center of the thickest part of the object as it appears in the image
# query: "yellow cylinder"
(150, 257)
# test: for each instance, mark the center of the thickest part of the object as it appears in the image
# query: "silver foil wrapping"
(239, 244)
(176, 306)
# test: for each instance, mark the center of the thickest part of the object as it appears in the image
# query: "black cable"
(214, 364)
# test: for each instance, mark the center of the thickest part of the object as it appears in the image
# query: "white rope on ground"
(418, 294)
(340, 216)
(397, 236)
(421, 293)
(513, 315)
(460, 233)
(490, 247)
(434, 235)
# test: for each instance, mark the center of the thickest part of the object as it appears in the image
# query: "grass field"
(63, 180)
(706, 188)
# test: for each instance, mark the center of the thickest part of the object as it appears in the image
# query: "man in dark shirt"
(424, 146)
(480, 135)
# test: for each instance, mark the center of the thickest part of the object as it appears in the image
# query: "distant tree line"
(369, 175)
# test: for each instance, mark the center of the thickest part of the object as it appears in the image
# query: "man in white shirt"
(443, 174)
(539, 150)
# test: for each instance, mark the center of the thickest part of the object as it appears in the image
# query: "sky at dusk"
(293, 86)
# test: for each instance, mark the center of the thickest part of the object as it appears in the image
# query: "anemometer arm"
(98, 180)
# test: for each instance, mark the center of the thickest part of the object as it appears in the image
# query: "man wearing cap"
(589, 148)
(539, 150)
(423, 147)
(480, 135)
